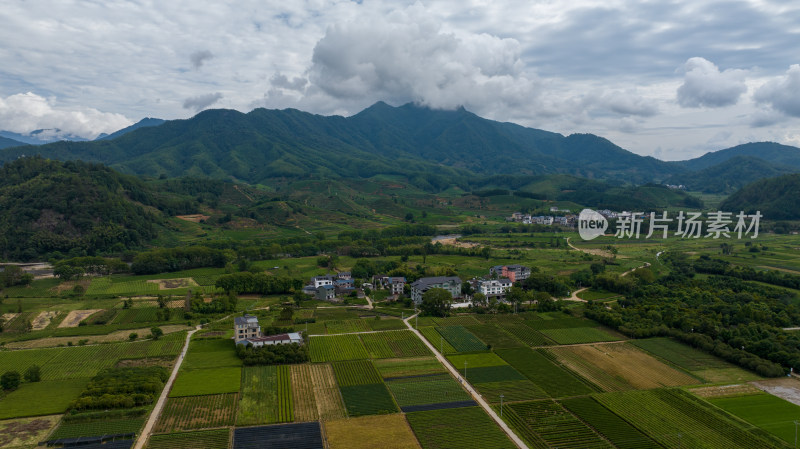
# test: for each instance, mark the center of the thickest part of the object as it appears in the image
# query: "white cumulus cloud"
(783, 93)
(407, 56)
(23, 113)
(705, 86)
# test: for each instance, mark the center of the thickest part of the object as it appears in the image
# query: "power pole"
(501, 406)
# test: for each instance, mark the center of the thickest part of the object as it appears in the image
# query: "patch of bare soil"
(168, 284)
(196, 218)
(9, 317)
(26, 432)
(69, 285)
(456, 243)
(43, 320)
(76, 316)
(785, 388)
(166, 362)
(725, 391)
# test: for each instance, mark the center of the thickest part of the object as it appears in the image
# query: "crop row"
(266, 395)
(371, 399)
(526, 334)
(97, 428)
(198, 412)
(673, 418)
(574, 335)
(554, 380)
(337, 347)
(461, 339)
(305, 404)
(408, 367)
(394, 344)
(547, 424)
(427, 390)
(437, 340)
(457, 428)
(347, 326)
(495, 336)
(611, 426)
(356, 372)
(204, 439)
(681, 355)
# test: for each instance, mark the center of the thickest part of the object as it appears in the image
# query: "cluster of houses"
(247, 331)
(548, 220)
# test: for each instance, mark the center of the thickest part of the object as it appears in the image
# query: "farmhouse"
(513, 272)
(450, 283)
(393, 283)
(245, 327)
(496, 288)
(326, 292)
(246, 330)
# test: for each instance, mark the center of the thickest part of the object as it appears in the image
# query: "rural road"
(475, 395)
(151, 421)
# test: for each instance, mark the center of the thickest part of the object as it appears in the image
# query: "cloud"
(281, 81)
(201, 102)
(705, 86)
(198, 58)
(629, 103)
(23, 113)
(783, 93)
(406, 56)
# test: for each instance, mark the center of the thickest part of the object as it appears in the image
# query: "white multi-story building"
(494, 287)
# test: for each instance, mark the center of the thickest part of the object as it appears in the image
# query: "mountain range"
(431, 149)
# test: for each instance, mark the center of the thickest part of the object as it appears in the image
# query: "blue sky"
(672, 79)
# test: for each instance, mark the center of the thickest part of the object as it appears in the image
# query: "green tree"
(162, 302)
(33, 374)
(479, 300)
(286, 314)
(133, 336)
(436, 302)
(156, 332)
(10, 380)
(298, 296)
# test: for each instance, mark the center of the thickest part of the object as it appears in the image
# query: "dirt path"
(474, 393)
(574, 296)
(156, 413)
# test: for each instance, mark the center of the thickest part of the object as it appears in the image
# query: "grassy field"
(619, 367)
(27, 400)
(198, 412)
(211, 353)
(266, 396)
(370, 399)
(392, 431)
(457, 428)
(207, 381)
(773, 414)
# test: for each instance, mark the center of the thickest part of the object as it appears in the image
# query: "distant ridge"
(143, 123)
(8, 143)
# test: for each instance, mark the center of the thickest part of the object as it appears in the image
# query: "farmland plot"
(28, 432)
(356, 372)
(388, 344)
(207, 381)
(211, 353)
(457, 428)
(554, 380)
(461, 339)
(204, 439)
(674, 418)
(437, 340)
(266, 395)
(526, 334)
(337, 347)
(393, 368)
(198, 412)
(576, 335)
(97, 427)
(392, 431)
(27, 399)
(611, 426)
(436, 389)
(326, 393)
(773, 414)
(548, 424)
(305, 406)
(347, 326)
(619, 367)
(495, 336)
(699, 363)
(371, 399)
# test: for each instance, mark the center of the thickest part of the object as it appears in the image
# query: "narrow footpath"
(156, 413)
(474, 393)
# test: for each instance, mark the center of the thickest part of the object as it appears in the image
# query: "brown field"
(305, 406)
(26, 432)
(43, 319)
(785, 388)
(734, 374)
(167, 284)
(387, 431)
(620, 367)
(76, 316)
(193, 218)
(9, 317)
(329, 400)
(725, 391)
(198, 412)
(112, 337)
(69, 285)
